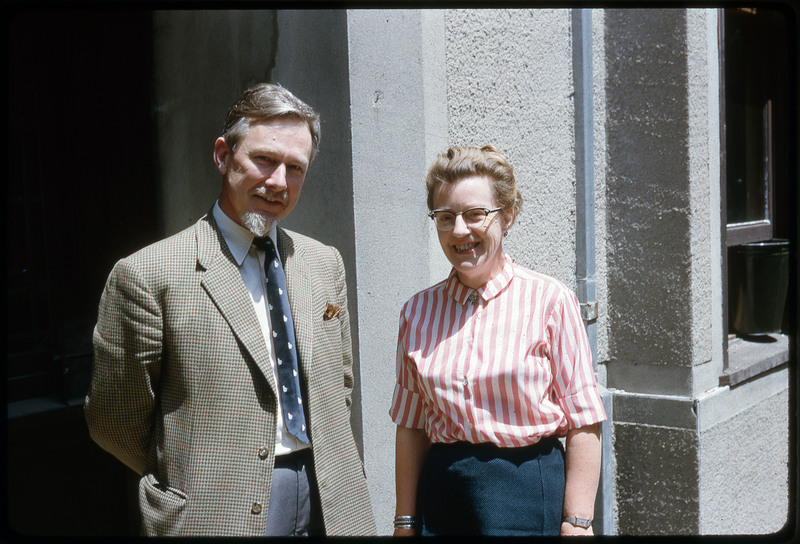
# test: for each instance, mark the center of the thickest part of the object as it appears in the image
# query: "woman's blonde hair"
(458, 163)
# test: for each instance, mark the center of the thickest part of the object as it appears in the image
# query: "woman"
(493, 366)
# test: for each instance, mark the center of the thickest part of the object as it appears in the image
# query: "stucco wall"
(600, 200)
(651, 221)
(744, 458)
(509, 84)
(703, 102)
(203, 62)
(662, 498)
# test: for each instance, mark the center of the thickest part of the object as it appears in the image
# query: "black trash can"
(758, 283)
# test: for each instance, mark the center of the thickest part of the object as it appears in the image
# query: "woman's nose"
(460, 227)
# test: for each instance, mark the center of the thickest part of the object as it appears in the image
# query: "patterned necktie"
(283, 340)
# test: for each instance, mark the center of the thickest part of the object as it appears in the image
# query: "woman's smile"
(466, 248)
(474, 250)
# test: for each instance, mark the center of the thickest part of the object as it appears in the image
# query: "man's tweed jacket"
(183, 390)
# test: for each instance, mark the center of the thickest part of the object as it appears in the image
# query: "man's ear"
(221, 154)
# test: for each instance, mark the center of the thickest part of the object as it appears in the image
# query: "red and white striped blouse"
(508, 363)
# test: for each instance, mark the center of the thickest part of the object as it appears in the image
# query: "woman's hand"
(404, 532)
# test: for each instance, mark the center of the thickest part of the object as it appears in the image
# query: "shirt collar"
(238, 238)
(461, 293)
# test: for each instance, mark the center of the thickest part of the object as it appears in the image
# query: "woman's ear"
(509, 216)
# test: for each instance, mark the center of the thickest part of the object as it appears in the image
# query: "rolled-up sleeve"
(574, 385)
(407, 407)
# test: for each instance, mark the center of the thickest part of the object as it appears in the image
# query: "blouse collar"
(463, 294)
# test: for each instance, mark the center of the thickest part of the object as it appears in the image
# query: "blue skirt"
(483, 489)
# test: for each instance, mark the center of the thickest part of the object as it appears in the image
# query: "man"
(225, 383)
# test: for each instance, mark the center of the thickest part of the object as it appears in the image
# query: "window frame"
(762, 229)
(740, 361)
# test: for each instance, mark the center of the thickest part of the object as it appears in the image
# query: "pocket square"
(331, 311)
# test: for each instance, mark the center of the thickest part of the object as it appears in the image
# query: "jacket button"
(256, 508)
(263, 452)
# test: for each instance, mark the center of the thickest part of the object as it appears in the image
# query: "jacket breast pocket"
(162, 507)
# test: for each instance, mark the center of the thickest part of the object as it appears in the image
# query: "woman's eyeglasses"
(473, 217)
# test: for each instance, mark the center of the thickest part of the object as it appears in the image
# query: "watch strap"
(577, 522)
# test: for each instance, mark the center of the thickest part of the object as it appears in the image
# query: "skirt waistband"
(546, 442)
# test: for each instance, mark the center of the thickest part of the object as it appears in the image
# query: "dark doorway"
(82, 192)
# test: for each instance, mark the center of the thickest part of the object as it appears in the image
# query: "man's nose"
(277, 177)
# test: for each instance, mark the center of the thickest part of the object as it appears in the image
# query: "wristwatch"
(577, 522)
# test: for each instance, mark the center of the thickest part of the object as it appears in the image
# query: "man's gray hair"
(267, 101)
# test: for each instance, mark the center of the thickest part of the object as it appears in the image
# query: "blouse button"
(263, 452)
(256, 508)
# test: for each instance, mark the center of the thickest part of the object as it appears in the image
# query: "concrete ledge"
(724, 402)
(747, 359)
(655, 379)
(654, 410)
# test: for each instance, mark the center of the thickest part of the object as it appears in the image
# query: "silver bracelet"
(404, 522)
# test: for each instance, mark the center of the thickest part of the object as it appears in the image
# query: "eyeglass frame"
(432, 215)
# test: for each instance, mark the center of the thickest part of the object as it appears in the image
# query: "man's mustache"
(282, 196)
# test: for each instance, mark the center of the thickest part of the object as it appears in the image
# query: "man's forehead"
(278, 123)
(269, 136)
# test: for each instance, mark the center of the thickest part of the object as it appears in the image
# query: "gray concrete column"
(312, 62)
(398, 124)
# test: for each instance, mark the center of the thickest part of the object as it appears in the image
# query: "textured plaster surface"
(648, 188)
(657, 487)
(744, 473)
(509, 84)
(325, 209)
(703, 183)
(195, 82)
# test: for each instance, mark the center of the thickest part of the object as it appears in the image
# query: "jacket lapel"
(298, 286)
(223, 282)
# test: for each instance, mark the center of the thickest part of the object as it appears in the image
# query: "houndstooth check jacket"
(183, 392)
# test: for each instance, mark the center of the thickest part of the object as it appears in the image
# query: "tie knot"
(264, 243)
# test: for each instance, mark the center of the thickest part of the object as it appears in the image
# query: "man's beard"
(258, 224)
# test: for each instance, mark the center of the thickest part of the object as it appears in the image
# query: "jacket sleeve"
(128, 340)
